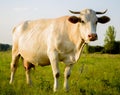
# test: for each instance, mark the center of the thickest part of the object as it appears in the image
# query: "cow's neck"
(76, 38)
(79, 49)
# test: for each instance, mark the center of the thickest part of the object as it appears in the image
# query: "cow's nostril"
(89, 36)
(96, 35)
(92, 37)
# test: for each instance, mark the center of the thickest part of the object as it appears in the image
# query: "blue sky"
(13, 12)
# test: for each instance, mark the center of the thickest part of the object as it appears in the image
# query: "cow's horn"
(102, 12)
(74, 12)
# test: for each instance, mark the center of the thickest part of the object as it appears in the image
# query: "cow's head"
(88, 22)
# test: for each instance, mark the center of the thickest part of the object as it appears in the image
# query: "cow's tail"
(14, 29)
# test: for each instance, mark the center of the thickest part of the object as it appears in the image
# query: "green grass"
(94, 74)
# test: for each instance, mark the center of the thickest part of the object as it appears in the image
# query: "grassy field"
(100, 75)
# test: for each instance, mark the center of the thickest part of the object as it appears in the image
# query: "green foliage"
(110, 35)
(93, 49)
(4, 47)
(110, 45)
(100, 76)
(117, 45)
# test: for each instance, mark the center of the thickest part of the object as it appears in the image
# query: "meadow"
(93, 74)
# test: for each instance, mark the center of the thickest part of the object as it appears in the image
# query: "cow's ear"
(103, 19)
(73, 19)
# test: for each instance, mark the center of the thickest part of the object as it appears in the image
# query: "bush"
(5, 47)
(93, 49)
(112, 48)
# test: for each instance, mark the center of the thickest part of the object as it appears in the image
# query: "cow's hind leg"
(14, 64)
(28, 66)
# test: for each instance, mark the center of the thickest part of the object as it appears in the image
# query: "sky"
(13, 12)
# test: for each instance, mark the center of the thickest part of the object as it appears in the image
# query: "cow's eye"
(82, 22)
(96, 22)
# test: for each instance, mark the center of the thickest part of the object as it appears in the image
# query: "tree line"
(5, 47)
(111, 46)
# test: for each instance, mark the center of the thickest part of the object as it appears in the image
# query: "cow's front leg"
(66, 76)
(53, 56)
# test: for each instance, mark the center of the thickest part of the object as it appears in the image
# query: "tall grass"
(94, 74)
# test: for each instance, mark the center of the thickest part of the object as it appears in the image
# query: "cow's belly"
(34, 50)
(35, 57)
(41, 60)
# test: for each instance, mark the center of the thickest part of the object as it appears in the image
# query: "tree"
(109, 41)
(4, 47)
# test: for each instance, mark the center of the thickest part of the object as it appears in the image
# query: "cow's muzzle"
(92, 37)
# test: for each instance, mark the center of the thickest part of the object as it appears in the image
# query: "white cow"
(50, 41)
